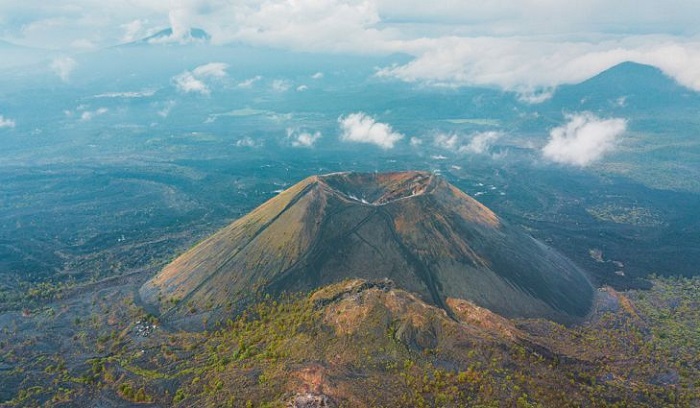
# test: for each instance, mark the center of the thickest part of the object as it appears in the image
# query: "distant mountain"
(411, 227)
(193, 35)
(631, 75)
(626, 83)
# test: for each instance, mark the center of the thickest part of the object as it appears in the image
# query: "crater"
(380, 188)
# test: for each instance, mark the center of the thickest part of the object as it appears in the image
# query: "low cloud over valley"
(584, 139)
(362, 128)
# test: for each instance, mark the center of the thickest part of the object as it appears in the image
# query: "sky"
(523, 45)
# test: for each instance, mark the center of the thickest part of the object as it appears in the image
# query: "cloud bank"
(522, 45)
(194, 81)
(283, 21)
(6, 122)
(584, 139)
(533, 66)
(362, 128)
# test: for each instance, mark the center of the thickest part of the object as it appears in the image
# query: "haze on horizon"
(525, 46)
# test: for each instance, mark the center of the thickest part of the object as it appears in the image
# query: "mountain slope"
(629, 83)
(412, 227)
(628, 76)
(166, 35)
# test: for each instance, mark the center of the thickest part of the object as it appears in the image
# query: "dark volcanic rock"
(311, 401)
(413, 228)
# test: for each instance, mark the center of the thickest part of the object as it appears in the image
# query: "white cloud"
(6, 122)
(63, 67)
(318, 75)
(164, 112)
(134, 30)
(188, 83)
(533, 66)
(302, 88)
(584, 139)
(446, 141)
(89, 115)
(211, 70)
(307, 25)
(535, 96)
(182, 18)
(281, 85)
(302, 138)
(481, 142)
(519, 45)
(621, 102)
(128, 94)
(193, 81)
(248, 142)
(331, 23)
(415, 141)
(362, 128)
(248, 83)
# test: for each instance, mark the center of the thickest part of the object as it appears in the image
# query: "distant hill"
(640, 85)
(629, 76)
(411, 227)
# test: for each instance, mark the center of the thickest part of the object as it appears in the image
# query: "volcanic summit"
(413, 228)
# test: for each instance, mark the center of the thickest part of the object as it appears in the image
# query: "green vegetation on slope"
(361, 344)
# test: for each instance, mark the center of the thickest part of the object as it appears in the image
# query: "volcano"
(413, 228)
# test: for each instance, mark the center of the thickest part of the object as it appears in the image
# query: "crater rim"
(377, 189)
